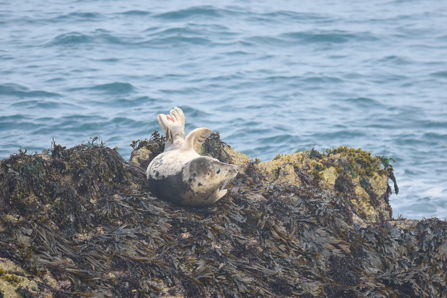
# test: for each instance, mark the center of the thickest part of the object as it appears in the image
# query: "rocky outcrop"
(81, 222)
(354, 174)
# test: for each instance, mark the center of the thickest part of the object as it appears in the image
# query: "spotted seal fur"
(180, 175)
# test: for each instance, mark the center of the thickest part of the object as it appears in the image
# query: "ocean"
(273, 77)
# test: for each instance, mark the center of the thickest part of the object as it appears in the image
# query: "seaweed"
(83, 216)
(389, 168)
(252, 176)
(343, 184)
(281, 286)
(156, 143)
(215, 147)
(154, 146)
(24, 292)
(343, 271)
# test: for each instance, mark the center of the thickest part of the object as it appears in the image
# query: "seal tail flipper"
(173, 126)
(195, 138)
(177, 115)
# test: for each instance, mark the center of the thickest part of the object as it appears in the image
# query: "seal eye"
(218, 172)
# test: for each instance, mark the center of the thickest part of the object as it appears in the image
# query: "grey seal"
(179, 174)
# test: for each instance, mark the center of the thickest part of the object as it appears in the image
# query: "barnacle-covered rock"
(238, 158)
(145, 150)
(355, 173)
(15, 282)
(80, 222)
(284, 169)
(140, 157)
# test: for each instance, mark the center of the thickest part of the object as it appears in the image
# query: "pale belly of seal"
(169, 164)
(165, 177)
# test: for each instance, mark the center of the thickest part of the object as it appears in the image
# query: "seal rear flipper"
(195, 138)
(173, 126)
(162, 120)
(177, 115)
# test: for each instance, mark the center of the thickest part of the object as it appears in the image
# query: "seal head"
(180, 175)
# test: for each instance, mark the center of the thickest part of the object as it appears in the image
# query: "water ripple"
(271, 77)
(111, 88)
(136, 13)
(79, 38)
(21, 91)
(194, 12)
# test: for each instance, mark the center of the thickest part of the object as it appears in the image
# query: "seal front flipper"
(173, 126)
(195, 138)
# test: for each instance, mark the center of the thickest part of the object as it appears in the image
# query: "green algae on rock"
(81, 223)
(145, 150)
(355, 173)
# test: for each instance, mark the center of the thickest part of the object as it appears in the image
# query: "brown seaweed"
(83, 216)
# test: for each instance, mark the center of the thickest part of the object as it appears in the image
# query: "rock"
(352, 172)
(237, 158)
(15, 282)
(282, 169)
(140, 157)
(79, 222)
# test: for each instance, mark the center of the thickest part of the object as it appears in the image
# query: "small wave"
(176, 41)
(322, 79)
(44, 104)
(111, 88)
(441, 74)
(133, 102)
(70, 38)
(79, 38)
(176, 32)
(85, 15)
(199, 11)
(194, 113)
(21, 91)
(328, 37)
(267, 41)
(280, 138)
(434, 136)
(294, 15)
(190, 12)
(74, 16)
(405, 142)
(16, 123)
(123, 121)
(114, 88)
(237, 53)
(363, 102)
(342, 134)
(396, 60)
(135, 13)
(431, 124)
(14, 118)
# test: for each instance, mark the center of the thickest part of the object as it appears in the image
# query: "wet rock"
(15, 282)
(79, 222)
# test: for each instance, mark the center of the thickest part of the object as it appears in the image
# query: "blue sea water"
(271, 76)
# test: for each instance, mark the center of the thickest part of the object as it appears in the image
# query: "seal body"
(180, 175)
